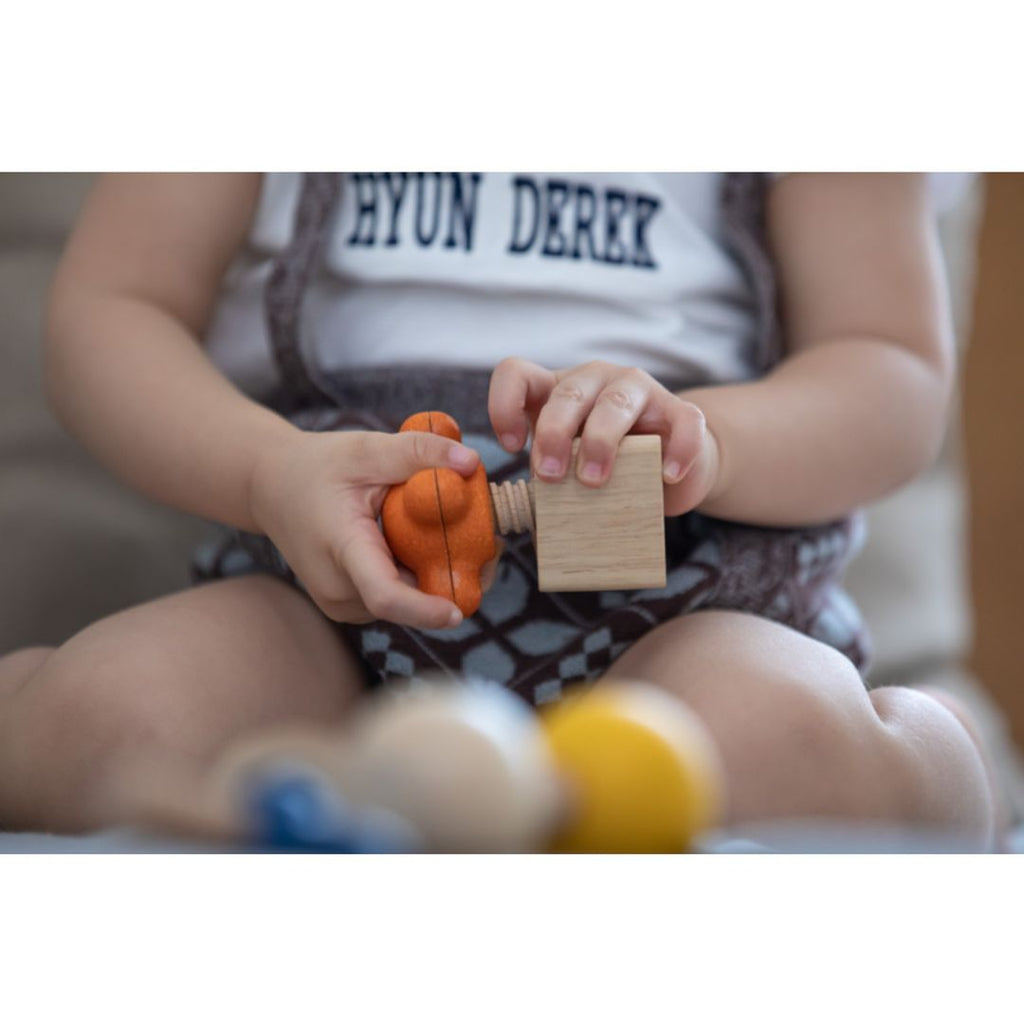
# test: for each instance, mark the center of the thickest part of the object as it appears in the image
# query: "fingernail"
(672, 471)
(510, 441)
(550, 466)
(455, 618)
(592, 471)
(461, 457)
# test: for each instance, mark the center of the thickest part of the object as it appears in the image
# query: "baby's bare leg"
(18, 667)
(800, 736)
(173, 680)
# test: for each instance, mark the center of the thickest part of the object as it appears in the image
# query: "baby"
(243, 349)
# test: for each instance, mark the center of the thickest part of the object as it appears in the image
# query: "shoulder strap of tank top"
(286, 288)
(744, 206)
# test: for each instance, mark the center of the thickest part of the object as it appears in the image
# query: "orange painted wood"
(439, 524)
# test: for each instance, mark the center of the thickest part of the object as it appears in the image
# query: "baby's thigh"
(791, 716)
(178, 677)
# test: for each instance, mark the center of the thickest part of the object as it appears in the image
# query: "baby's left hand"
(601, 403)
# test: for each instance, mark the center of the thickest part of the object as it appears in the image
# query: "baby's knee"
(892, 754)
(939, 768)
(93, 701)
(64, 728)
(806, 741)
(805, 692)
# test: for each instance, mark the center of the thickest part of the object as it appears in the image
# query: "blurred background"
(941, 581)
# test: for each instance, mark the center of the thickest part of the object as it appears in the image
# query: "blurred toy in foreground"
(470, 768)
(442, 525)
(642, 768)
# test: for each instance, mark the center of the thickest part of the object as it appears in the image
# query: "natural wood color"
(607, 538)
(466, 765)
(512, 504)
(994, 430)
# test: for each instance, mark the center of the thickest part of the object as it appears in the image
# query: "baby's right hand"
(318, 496)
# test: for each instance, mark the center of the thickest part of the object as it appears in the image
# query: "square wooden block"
(608, 538)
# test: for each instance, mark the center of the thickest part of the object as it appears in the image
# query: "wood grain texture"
(994, 431)
(608, 538)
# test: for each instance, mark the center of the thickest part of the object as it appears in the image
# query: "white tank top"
(466, 268)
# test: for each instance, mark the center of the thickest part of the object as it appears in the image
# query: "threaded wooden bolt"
(513, 506)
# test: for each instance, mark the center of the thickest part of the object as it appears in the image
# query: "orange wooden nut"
(439, 524)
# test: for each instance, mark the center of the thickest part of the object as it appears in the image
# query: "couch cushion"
(75, 545)
(39, 208)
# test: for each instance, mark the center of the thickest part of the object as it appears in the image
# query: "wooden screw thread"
(513, 506)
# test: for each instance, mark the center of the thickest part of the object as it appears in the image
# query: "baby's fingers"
(618, 403)
(683, 441)
(518, 391)
(633, 402)
(394, 458)
(383, 591)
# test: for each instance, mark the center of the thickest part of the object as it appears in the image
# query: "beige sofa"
(75, 545)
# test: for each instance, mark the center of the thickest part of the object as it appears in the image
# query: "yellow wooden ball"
(643, 771)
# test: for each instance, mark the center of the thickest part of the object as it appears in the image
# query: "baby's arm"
(855, 409)
(859, 405)
(127, 375)
(124, 367)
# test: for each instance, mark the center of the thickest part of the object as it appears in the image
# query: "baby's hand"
(318, 498)
(601, 403)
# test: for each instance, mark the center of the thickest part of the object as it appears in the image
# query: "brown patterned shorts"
(538, 643)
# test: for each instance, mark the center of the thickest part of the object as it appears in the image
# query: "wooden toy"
(294, 811)
(607, 538)
(642, 767)
(466, 768)
(441, 525)
(467, 765)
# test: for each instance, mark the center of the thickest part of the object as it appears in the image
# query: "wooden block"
(607, 538)
(467, 765)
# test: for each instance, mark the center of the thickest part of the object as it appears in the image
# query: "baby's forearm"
(834, 426)
(132, 383)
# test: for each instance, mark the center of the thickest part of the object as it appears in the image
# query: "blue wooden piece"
(296, 812)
